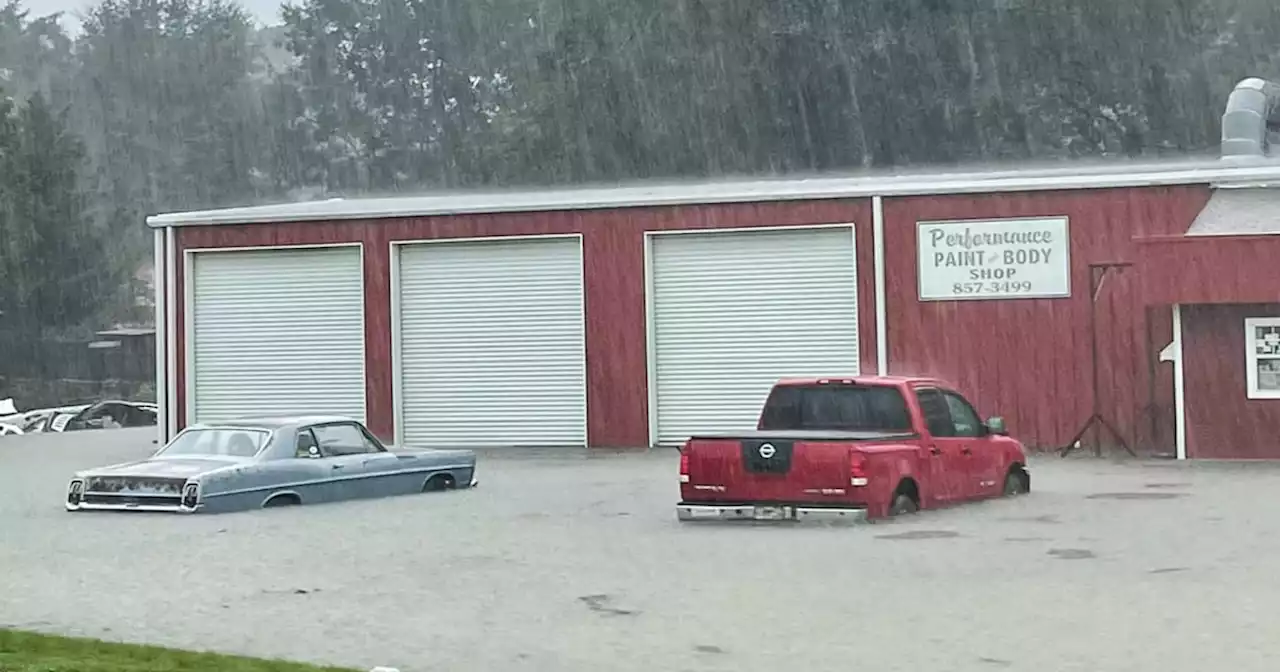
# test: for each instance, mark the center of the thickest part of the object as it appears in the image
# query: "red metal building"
(632, 316)
(1220, 278)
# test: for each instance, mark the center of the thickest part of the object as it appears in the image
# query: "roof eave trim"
(1224, 177)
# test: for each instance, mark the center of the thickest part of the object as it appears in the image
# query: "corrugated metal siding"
(278, 332)
(613, 259)
(492, 350)
(1222, 422)
(1029, 360)
(734, 311)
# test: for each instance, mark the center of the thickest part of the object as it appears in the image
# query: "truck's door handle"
(935, 450)
(966, 450)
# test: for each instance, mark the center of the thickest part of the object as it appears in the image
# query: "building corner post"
(1179, 389)
(159, 284)
(882, 311)
(170, 338)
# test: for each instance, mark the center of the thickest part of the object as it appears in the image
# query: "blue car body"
(286, 461)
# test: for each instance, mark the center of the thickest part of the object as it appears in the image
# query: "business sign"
(996, 259)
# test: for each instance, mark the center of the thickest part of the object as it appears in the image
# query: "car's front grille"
(128, 500)
(129, 485)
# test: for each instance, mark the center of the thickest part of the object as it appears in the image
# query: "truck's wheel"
(902, 504)
(1015, 483)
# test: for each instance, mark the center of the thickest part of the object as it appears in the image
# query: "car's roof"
(859, 380)
(275, 422)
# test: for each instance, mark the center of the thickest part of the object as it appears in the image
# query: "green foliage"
(388, 95)
(35, 55)
(183, 104)
(164, 91)
(53, 273)
(31, 652)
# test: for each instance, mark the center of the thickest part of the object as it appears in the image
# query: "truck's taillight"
(684, 466)
(857, 469)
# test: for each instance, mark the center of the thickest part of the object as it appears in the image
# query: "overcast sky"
(262, 11)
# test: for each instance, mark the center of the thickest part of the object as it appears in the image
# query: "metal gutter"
(1086, 177)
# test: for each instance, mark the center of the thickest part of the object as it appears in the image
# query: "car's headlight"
(75, 492)
(190, 495)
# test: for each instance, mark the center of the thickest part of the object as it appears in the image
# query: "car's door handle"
(935, 450)
(336, 466)
(967, 451)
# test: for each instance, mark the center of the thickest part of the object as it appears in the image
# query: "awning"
(1230, 254)
(1239, 212)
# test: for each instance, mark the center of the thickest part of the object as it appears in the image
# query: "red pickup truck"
(851, 448)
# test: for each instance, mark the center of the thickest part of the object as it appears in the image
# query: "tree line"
(162, 105)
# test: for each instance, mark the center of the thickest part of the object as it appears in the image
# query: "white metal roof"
(1239, 212)
(1073, 176)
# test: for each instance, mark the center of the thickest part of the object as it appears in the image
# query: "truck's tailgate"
(796, 467)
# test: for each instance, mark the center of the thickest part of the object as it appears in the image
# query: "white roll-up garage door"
(492, 343)
(734, 311)
(276, 332)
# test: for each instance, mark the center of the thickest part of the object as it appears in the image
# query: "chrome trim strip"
(339, 479)
(282, 493)
(103, 493)
(689, 512)
(120, 507)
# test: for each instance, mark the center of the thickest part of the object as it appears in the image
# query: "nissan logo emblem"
(767, 450)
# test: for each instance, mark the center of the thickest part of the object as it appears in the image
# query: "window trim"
(368, 435)
(770, 412)
(1251, 357)
(360, 429)
(924, 416)
(981, 426)
(297, 438)
(192, 429)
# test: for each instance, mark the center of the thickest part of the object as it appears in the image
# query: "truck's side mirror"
(995, 425)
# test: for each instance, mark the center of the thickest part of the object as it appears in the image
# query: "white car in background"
(44, 420)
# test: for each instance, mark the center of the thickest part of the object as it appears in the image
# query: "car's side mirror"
(995, 425)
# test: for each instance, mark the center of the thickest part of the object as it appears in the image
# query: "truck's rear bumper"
(691, 511)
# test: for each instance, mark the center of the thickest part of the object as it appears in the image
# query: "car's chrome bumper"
(151, 508)
(690, 512)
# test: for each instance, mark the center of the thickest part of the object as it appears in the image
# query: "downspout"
(170, 332)
(882, 310)
(158, 282)
(1179, 390)
(1251, 121)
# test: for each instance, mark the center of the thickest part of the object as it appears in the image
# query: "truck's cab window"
(963, 418)
(937, 413)
(836, 407)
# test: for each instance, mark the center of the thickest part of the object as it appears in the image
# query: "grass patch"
(31, 652)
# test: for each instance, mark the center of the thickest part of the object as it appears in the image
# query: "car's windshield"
(836, 407)
(221, 442)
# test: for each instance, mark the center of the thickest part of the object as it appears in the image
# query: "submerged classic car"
(263, 462)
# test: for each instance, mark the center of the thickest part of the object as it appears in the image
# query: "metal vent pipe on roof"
(1252, 115)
